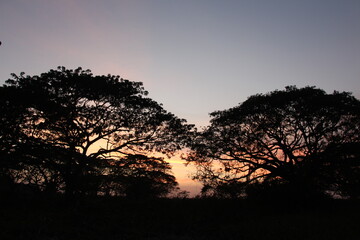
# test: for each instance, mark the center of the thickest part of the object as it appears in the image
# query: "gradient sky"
(193, 56)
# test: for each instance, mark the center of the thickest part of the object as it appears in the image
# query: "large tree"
(70, 131)
(304, 137)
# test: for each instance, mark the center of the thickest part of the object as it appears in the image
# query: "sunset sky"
(194, 56)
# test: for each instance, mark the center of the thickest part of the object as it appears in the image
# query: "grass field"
(101, 218)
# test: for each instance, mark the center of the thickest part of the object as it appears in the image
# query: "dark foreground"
(57, 219)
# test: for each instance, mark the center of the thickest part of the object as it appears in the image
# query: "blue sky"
(193, 56)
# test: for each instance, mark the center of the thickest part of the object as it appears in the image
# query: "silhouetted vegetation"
(80, 158)
(67, 131)
(296, 143)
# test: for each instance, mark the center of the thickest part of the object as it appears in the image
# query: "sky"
(193, 56)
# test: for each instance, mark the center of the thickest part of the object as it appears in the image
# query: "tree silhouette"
(140, 177)
(302, 137)
(70, 131)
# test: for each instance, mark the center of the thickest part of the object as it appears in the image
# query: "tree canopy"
(70, 131)
(304, 136)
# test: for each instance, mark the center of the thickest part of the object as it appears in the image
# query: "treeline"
(72, 133)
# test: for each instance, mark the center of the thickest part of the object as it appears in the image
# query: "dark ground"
(101, 218)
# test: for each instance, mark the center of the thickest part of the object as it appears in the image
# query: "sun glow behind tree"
(81, 133)
(304, 137)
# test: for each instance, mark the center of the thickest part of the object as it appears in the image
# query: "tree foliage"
(303, 137)
(70, 131)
